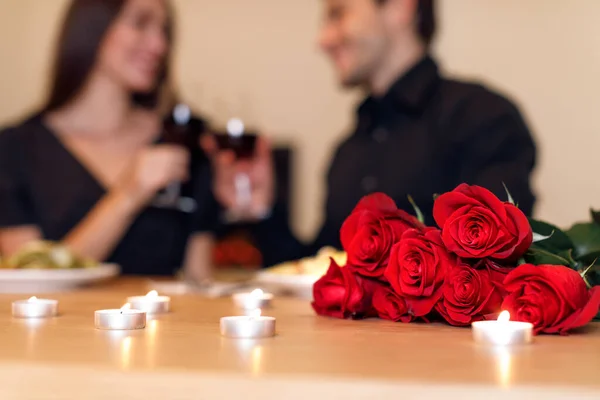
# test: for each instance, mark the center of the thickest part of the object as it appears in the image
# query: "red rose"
(555, 299)
(468, 295)
(390, 306)
(476, 224)
(417, 269)
(342, 294)
(496, 272)
(371, 230)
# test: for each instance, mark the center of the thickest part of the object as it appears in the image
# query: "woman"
(86, 171)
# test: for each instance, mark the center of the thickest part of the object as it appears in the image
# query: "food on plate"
(314, 266)
(46, 255)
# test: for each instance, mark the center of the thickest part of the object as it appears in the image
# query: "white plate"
(53, 280)
(296, 285)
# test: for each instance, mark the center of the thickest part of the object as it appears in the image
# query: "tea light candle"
(257, 299)
(122, 319)
(248, 327)
(152, 303)
(35, 308)
(502, 332)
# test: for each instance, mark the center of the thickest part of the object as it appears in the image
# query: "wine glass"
(178, 129)
(242, 144)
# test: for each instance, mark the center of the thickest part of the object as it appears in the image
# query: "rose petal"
(390, 306)
(581, 317)
(447, 204)
(476, 224)
(376, 201)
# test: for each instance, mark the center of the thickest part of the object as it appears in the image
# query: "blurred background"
(258, 59)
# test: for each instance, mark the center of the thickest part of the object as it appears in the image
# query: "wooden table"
(182, 356)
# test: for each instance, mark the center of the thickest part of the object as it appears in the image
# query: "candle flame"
(257, 293)
(256, 313)
(504, 316)
(126, 307)
(152, 293)
(32, 298)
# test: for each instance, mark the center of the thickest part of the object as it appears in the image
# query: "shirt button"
(380, 135)
(369, 184)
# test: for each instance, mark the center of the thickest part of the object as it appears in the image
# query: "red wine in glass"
(242, 144)
(237, 140)
(181, 129)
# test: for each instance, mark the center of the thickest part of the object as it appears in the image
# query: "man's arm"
(275, 239)
(498, 149)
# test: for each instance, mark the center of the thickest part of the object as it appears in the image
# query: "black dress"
(43, 184)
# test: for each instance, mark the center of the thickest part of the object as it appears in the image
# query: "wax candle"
(35, 308)
(257, 299)
(502, 332)
(124, 318)
(152, 303)
(253, 326)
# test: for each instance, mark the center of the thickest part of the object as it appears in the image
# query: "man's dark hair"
(426, 22)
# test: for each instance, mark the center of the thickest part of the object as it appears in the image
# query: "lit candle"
(152, 303)
(122, 319)
(502, 332)
(253, 300)
(254, 326)
(35, 308)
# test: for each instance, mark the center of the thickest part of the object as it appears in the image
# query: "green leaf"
(595, 215)
(510, 198)
(418, 212)
(586, 238)
(556, 240)
(590, 258)
(568, 255)
(538, 256)
(539, 238)
(590, 270)
(584, 274)
(591, 275)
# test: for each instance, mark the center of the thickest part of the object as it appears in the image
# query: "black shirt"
(43, 184)
(427, 135)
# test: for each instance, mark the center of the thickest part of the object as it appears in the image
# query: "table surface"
(182, 353)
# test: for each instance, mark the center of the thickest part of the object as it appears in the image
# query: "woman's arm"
(100, 231)
(103, 228)
(13, 238)
(95, 237)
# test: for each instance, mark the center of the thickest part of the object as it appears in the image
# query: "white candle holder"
(257, 299)
(35, 308)
(502, 332)
(248, 327)
(122, 319)
(151, 303)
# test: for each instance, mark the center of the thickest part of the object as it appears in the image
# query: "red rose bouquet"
(483, 257)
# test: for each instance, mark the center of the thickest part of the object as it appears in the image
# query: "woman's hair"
(83, 30)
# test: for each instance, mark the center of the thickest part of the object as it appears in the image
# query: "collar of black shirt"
(409, 94)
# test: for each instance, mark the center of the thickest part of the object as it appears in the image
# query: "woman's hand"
(259, 170)
(153, 169)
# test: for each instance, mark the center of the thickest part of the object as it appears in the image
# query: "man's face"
(354, 36)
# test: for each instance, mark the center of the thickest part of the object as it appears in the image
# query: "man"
(417, 133)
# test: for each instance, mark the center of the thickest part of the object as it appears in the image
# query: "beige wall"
(257, 59)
